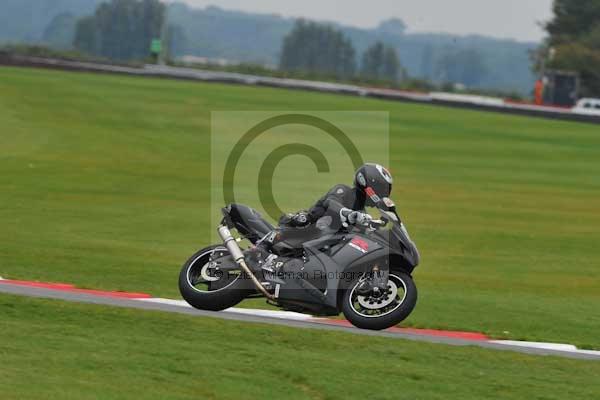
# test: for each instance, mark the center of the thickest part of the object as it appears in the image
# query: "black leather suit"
(337, 198)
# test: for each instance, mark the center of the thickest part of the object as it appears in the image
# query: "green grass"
(104, 183)
(75, 351)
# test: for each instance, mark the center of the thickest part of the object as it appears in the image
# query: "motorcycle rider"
(372, 183)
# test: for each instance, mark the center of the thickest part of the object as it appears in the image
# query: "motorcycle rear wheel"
(216, 294)
(387, 310)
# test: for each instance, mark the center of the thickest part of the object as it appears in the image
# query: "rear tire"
(220, 295)
(404, 291)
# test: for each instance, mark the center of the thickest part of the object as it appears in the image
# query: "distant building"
(561, 88)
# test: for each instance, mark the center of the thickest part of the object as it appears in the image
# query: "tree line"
(121, 29)
(124, 29)
(323, 50)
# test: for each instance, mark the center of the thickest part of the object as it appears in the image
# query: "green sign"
(156, 46)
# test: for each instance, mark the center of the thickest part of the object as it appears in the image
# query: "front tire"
(219, 293)
(377, 313)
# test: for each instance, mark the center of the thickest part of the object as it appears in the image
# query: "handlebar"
(377, 223)
(366, 221)
(373, 224)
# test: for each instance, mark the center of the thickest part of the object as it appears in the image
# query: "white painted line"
(270, 313)
(171, 302)
(538, 345)
(547, 346)
(245, 311)
(567, 348)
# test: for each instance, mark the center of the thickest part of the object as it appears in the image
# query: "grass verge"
(67, 350)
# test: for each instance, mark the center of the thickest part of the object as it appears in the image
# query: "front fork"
(376, 282)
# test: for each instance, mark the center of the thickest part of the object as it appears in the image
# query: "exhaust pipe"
(239, 258)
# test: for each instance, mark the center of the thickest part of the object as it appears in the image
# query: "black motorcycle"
(363, 271)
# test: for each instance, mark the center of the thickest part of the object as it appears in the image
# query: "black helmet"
(375, 181)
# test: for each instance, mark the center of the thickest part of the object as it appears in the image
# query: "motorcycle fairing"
(402, 249)
(341, 262)
(340, 256)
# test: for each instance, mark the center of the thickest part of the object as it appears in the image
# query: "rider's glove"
(354, 217)
(358, 218)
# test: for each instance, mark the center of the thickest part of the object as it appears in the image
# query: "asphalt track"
(146, 302)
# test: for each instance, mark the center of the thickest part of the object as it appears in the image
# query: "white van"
(587, 106)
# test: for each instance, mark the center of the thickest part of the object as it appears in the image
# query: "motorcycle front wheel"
(384, 310)
(208, 288)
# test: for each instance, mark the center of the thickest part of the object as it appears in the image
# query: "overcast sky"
(517, 19)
